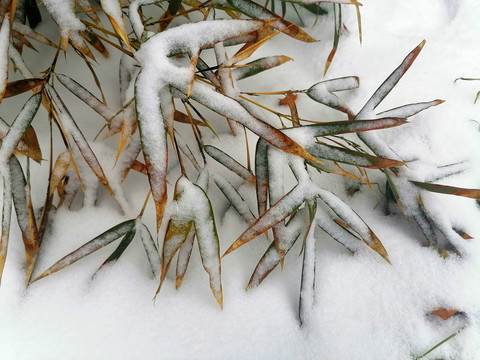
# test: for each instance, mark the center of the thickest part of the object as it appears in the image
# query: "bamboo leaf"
(4, 45)
(234, 198)
(261, 175)
(449, 190)
(20, 86)
(183, 258)
(59, 171)
(127, 239)
(352, 157)
(322, 92)
(389, 84)
(19, 127)
(29, 145)
(257, 66)
(337, 13)
(230, 163)
(256, 11)
(71, 128)
(406, 111)
(350, 220)
(286, 206)
(93, 245)
(150, 248)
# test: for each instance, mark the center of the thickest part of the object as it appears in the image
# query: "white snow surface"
(365, 308)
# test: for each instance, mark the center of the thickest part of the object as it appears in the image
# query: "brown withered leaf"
(20, 86)
(444, 313)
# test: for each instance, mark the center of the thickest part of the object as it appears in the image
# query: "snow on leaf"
(232, 195)
(20, 86)
(114, 13)
(286, 206)
(352, 157)
(6, 217)
(449, 190)
(24, 210)
(389, 84)
(261, 175)
(406, 111)
(183, 258)
(350, 220)
(71, 128)
(93, 245)
(87, 97)
(230, 163)
(4, 45)
(124, 243)
(256, 11)
(63, 14)
(307, 284)
(257, 66)
(272, 257)
(19, 126)
(59, 171)
(323, 92)
(150, 248)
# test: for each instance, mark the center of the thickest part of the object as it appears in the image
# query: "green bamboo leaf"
(150, 248)
(93, 245)
(261, 175)
(230, 163)
(257, 66)
(449, 190)
(124, 243)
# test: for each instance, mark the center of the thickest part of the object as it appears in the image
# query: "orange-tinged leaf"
(444, 313)
(20, 86)
(449, 190)
(59, 171)
(95, 42)
(29, 146)
(184, 118)
(120, 30)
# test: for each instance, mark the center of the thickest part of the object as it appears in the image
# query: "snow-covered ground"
(365, 308)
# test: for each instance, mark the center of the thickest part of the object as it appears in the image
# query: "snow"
(364, 307)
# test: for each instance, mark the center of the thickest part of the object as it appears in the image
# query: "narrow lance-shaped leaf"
(183, 258)
(352, 157)
(150, 248)
(87, 97)
(235, 111)
(272, 257)
(20, 86)
(59, 171)
(195, 206)
(72, 130)
(19, 126)
(261, 175)
(389, 84)
(230, 163)
(322, 92)
(124, 243)
(337, 13)
(354, 222)
(24, 211)
(307, 284)
(234, 198)
(4, 45)
(154, 141)
(93, 245)
(257, 66)
(449, 190)
(6, 217)
(343, 127)
(286, 206)
(406, 111)
(29, 145)
(256, 11)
